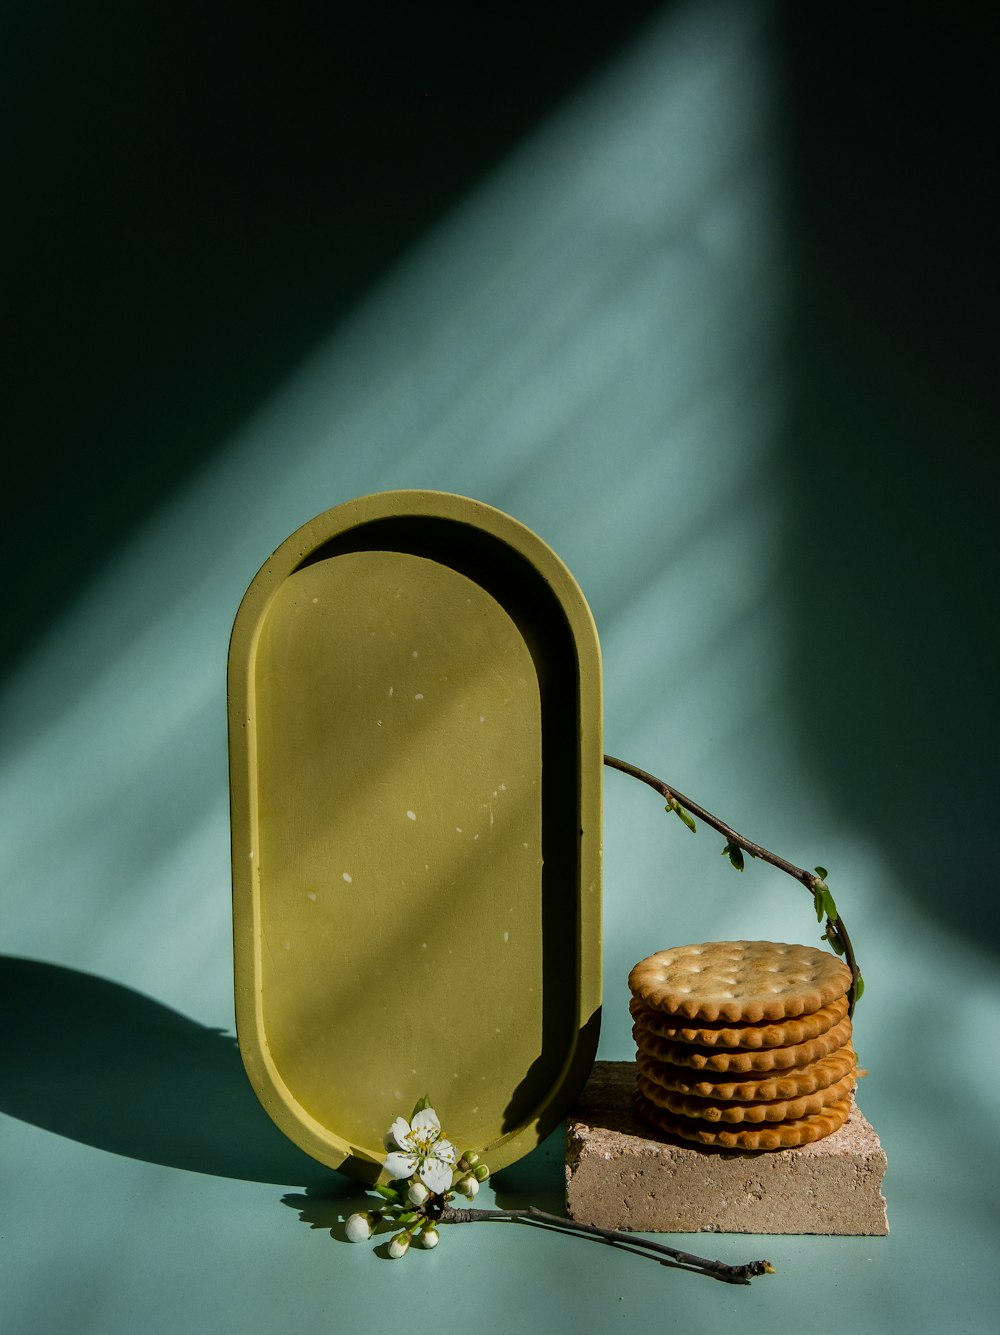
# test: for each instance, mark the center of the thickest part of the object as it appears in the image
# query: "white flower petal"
(426, 1126)
(400, 1164)
(400, 1133)
(445, 1150)
(435, 1175)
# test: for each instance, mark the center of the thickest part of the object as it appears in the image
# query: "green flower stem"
(835, 926)
(729, 1274)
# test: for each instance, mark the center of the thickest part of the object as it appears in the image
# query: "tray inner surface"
(414, 760)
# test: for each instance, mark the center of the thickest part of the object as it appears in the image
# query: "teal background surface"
(701, 293)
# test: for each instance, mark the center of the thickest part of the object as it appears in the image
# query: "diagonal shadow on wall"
(193, 197)
(891, 118)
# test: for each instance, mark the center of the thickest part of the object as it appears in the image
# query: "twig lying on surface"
(729, 1274)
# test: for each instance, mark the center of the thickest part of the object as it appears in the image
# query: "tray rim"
(319, 1141)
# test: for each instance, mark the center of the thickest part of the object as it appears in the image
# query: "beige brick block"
(619, 1175)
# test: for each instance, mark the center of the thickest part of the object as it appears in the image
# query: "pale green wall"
(662, 335)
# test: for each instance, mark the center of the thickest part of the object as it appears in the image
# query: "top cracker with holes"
(745, 981)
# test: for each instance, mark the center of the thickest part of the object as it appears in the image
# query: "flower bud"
(418, 1194)
(399, 1245)
(468, 1187)
(470, 1158)
(480, 1172)
(358, 1228)
(429, 1237)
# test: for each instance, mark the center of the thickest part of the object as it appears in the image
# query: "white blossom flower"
(358, 1228)
(422, 1150)
(399, 1246)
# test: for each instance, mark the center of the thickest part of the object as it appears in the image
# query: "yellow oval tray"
(415, 772)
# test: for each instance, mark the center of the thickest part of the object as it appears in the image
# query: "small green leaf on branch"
(675, 806)
(823, 901)
(735, 855)
(387, 1193)
(832, 935)
(858, 989)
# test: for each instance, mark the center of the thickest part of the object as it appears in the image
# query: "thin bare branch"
(729, 1274)
(834, 926)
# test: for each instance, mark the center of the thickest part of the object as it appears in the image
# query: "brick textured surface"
(619, 1174)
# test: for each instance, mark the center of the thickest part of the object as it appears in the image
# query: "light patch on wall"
(591, 342)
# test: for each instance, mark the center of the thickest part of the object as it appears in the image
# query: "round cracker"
(754, 1059)
(789, 1084)
(723, 1033)
(718, 1111)
(744, 981)
(776, 1136)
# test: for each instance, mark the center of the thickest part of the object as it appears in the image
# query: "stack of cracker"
(743, 1045)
